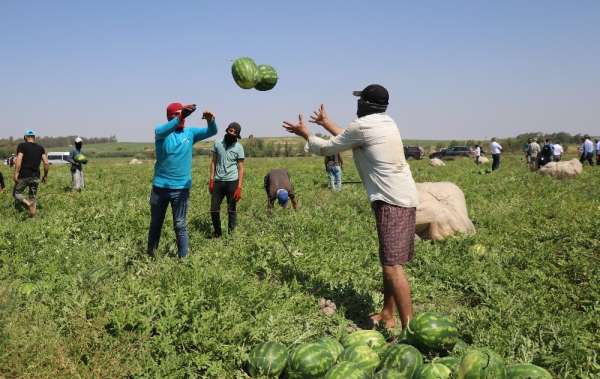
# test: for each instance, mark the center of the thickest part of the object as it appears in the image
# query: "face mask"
(78, 146)
(366, 108)
(230, 139)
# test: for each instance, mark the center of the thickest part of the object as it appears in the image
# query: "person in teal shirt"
(226, 177)
(173, 173)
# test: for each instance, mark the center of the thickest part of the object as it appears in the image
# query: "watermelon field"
(79, 298)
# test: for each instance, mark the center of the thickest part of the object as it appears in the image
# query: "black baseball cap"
(237, 127)
(374, 93)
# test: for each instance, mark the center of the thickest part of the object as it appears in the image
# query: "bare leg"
(396, 281)
(389, 308)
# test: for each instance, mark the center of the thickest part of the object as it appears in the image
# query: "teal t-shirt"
(226, 163)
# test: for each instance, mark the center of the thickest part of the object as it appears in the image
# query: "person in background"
(534, 152)
(333, 166)
(547, 154)
(496, 150)
(597, 152)
(1, 182)
(27, 172)
(477, 154)
(557, 151)
(379, 157)
(173, 143)
(587, 150)
(278, 186)
(226, 177)
(77, 180)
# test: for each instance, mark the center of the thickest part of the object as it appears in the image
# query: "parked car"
(451, 152)
(415, 152)
(58, 157)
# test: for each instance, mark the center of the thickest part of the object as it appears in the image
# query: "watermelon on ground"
(308, 361)
(481, 364)
(434, 371)
(405, 358)
(346, 370)
(433, 331)
(267, 77)
(451, 362)
(391, 373)
(372, 338)
(365, 357)
(245, 72)
(267, 359)
(334, 347)
(527, 371)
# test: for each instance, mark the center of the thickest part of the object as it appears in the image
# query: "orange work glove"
(211, 185)
(237, 195)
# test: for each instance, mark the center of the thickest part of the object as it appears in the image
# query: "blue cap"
(29, 133)
(282, 197)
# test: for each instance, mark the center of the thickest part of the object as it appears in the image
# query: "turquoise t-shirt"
(226, 169)
(173, 167)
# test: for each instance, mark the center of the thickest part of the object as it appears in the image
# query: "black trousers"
(495, 161)
(587, 157)
(221, 190)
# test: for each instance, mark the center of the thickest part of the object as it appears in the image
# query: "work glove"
(237, 195)
(211, 185)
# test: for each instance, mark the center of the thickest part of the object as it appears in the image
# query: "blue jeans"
(160, 198)
(335, 177)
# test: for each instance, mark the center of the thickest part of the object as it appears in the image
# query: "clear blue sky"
(454, 69)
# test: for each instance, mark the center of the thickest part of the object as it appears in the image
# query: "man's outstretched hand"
(208, 116)
(319, 116)
(298, 129)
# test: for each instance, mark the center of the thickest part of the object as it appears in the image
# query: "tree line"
(8, 146)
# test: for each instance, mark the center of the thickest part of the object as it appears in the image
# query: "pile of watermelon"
(430, 349)
(247, 74)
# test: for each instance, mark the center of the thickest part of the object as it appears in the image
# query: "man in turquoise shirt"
(226, 177)
(173, 173)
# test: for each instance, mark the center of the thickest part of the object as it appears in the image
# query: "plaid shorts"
(396, 232)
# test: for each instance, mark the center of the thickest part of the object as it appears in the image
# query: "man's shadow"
(357, 305)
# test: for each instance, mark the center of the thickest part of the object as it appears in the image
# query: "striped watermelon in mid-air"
(404, 358)
(245, 72)
(527, 371)
(267, 359)
(310, 360)
(267, 77)
(346, 370)
(365, 357)
(434, 371)
(334, 347)
(481, 364)
(434, 331)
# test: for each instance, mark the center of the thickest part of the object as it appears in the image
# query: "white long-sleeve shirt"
(379, 158)
(495, 148)
(588, 146)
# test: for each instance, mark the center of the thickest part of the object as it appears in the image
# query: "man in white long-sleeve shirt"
(379, 158)
(587, 150)
(496, 149)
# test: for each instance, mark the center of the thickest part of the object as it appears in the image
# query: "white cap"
(78, 140)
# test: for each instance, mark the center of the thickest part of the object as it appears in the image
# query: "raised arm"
(320, 117)
(207, 132)
(348, 139)
(162, 131)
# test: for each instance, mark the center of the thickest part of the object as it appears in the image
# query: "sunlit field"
(80, 298)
